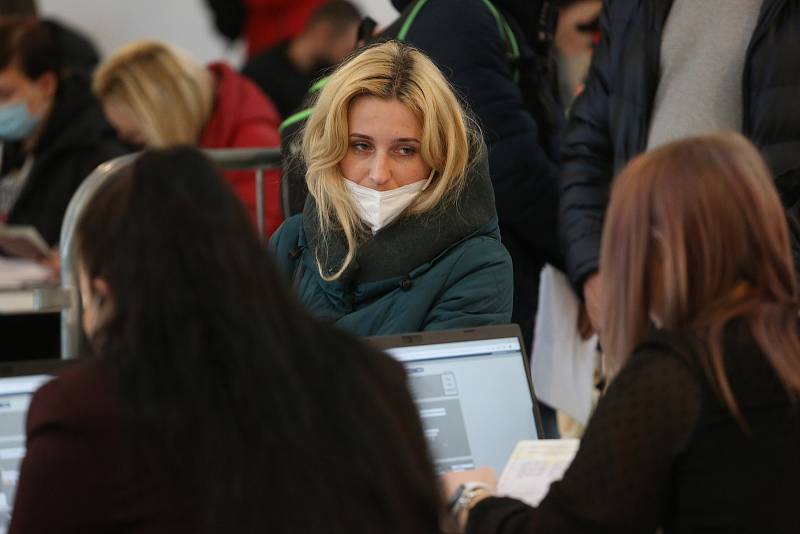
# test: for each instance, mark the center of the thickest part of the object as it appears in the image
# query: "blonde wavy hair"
(169, 95)
(450, 138)
(696, 236)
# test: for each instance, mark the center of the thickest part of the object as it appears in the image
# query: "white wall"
(184, 23)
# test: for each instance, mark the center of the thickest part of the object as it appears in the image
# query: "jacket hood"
(238, 102)
(413, 240)
(76, 119)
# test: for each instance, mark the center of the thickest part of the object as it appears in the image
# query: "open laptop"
(18, 382)
(474, 392)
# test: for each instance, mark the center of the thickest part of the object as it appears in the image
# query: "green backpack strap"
(507, 34)
(401, 36)
(303, 114)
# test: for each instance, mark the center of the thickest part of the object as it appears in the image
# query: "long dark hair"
(261, 418)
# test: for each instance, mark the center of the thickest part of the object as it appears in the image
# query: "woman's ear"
(100, 288)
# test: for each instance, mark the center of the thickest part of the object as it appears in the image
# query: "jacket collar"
(411, 241)
(73, 109)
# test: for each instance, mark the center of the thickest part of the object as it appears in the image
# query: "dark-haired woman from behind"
(699, 431)
(213, 403)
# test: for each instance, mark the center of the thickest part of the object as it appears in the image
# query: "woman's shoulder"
(79, 396)
(481, 247)
(664, 358)
(287, 236)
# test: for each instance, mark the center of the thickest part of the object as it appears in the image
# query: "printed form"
(533, 466)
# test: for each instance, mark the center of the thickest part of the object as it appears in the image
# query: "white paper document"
(563, 364)
(533, 466)
(18, 272)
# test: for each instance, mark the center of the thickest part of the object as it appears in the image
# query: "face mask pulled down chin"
(379, 208)
(16, 123)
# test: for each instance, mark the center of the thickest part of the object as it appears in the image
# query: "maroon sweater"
(78, 475)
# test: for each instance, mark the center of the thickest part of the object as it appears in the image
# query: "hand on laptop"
(464, 489)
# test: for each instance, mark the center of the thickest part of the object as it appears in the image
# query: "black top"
(662, 450)
(610, 121)
(275, 74)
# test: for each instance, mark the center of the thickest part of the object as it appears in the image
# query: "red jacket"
(244, 117)
(271, 21)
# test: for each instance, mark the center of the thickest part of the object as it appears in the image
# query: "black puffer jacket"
(610, 121)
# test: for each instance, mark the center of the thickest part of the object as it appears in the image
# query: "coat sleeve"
(466, 44)
(587, 157)
(478, 291)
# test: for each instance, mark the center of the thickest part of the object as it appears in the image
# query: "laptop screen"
(474, 397)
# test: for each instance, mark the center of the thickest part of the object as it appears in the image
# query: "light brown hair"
(696, 235)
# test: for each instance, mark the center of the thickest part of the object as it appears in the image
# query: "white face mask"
(379, 208)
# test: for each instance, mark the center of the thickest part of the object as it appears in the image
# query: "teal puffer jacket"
(440, 270)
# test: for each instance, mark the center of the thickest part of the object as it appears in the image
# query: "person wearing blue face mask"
(53, 135)
(399, 232)
(53, 131)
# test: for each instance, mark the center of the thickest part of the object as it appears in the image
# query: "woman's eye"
(406, 151)
(360, 147)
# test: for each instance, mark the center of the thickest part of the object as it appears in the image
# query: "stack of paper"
(18, 273)
(533, 466)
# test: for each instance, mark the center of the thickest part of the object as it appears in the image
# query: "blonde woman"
(156, 97)
(399, 233)
(699, 431)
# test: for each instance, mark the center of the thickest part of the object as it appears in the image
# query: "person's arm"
(620, 478)
(56, 481)
(587, 159)
(478, 290)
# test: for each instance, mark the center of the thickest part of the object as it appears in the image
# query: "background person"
(262, 23)
(156, 97)
(399, 233)
(699, 429)
(59, 136)
(285, 71)
(666, 70)
(59, 125)
(222, 410)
